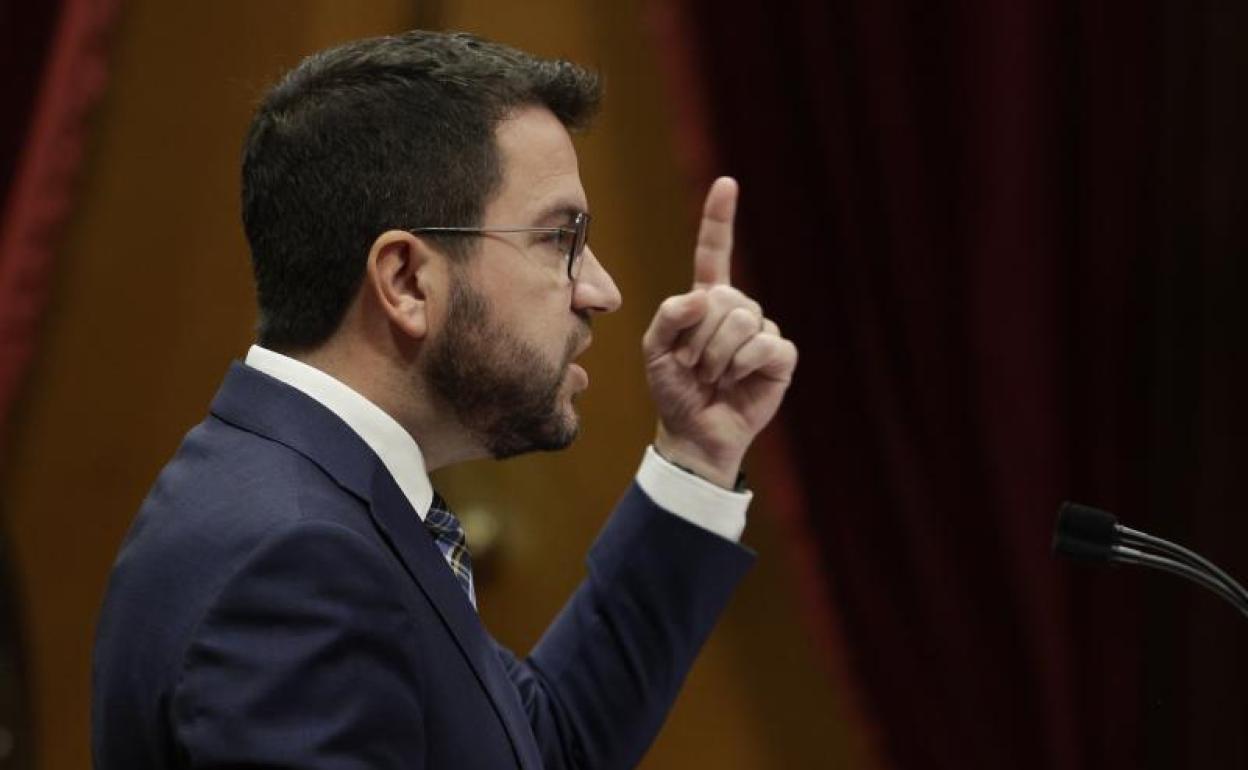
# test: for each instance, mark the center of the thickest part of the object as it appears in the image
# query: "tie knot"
(441, 521)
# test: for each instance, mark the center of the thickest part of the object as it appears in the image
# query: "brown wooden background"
(153, 298)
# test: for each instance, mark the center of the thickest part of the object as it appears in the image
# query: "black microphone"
(1084, 532)
(1090, 534)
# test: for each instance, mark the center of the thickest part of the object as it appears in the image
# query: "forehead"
(540, 172)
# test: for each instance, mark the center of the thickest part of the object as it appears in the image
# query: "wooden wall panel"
(154, 298)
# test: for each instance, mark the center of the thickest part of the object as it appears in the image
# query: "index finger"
(712, 259)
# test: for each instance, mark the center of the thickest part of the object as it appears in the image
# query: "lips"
(581, 351)
(578, 349)
(578, 344)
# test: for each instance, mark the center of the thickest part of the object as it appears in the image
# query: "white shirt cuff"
(692, 498)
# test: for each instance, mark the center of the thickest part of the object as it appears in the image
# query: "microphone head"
(1084, 532)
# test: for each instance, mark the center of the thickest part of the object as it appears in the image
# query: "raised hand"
(717, 367)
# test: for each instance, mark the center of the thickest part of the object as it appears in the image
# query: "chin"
(556, 432)
(562, 435)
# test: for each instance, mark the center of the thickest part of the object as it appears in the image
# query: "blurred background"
(1009, 239)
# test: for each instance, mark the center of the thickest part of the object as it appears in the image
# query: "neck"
(401, 392)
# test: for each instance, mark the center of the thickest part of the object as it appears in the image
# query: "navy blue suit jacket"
(278, 604)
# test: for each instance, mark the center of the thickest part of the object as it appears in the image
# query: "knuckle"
(669, 314)
(742, 318)
(669, 306)
(727, 297)
(772, 347)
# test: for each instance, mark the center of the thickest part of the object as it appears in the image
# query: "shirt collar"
(395, 447)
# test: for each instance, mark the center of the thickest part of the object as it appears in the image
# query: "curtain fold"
(59, 51)
(1008, 239)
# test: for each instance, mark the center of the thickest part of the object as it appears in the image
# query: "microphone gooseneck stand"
(1090, 534)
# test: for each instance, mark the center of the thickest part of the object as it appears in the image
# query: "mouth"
(577, 349)
(578, 343)
(584, 346)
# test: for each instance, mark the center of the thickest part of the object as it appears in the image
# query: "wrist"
(690, 457)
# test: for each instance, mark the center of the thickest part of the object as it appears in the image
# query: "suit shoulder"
(225, 494)
(231, 480)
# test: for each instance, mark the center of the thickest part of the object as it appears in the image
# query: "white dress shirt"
(677, 491)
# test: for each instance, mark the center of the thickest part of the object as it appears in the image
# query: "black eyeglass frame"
(575, 254)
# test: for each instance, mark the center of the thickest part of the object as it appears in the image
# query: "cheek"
(532, 306)
(542, 317)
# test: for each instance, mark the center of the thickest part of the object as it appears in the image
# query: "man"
(293, 594)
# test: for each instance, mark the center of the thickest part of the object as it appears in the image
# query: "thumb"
(674, 315)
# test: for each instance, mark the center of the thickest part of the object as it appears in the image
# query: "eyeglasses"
(570, 240)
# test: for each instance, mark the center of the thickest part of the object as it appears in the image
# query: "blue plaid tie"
(449, 537)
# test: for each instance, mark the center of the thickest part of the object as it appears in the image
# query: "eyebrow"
(558, 212)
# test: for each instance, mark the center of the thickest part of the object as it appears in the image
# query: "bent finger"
(738, 327)
(765, 355)
(722, 300)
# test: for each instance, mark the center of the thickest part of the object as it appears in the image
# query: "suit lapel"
(263, 405)
(396, 519)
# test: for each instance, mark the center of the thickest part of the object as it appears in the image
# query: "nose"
(595, 290)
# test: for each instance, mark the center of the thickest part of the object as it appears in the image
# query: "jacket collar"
(260, 404)
(390, 441)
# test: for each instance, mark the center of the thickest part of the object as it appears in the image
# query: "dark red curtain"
(53, 55)
(1009, 239)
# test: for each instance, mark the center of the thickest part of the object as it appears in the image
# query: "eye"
(560, 239)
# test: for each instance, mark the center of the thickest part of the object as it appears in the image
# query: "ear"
(399, 276)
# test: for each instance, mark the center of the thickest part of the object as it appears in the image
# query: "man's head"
(359, 149)
(386, 133)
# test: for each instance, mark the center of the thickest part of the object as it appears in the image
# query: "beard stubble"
(501, 388)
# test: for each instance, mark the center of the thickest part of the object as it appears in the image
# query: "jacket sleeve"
(301, 662)
(602, 679)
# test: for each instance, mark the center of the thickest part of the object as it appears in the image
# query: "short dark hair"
(389, 132)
